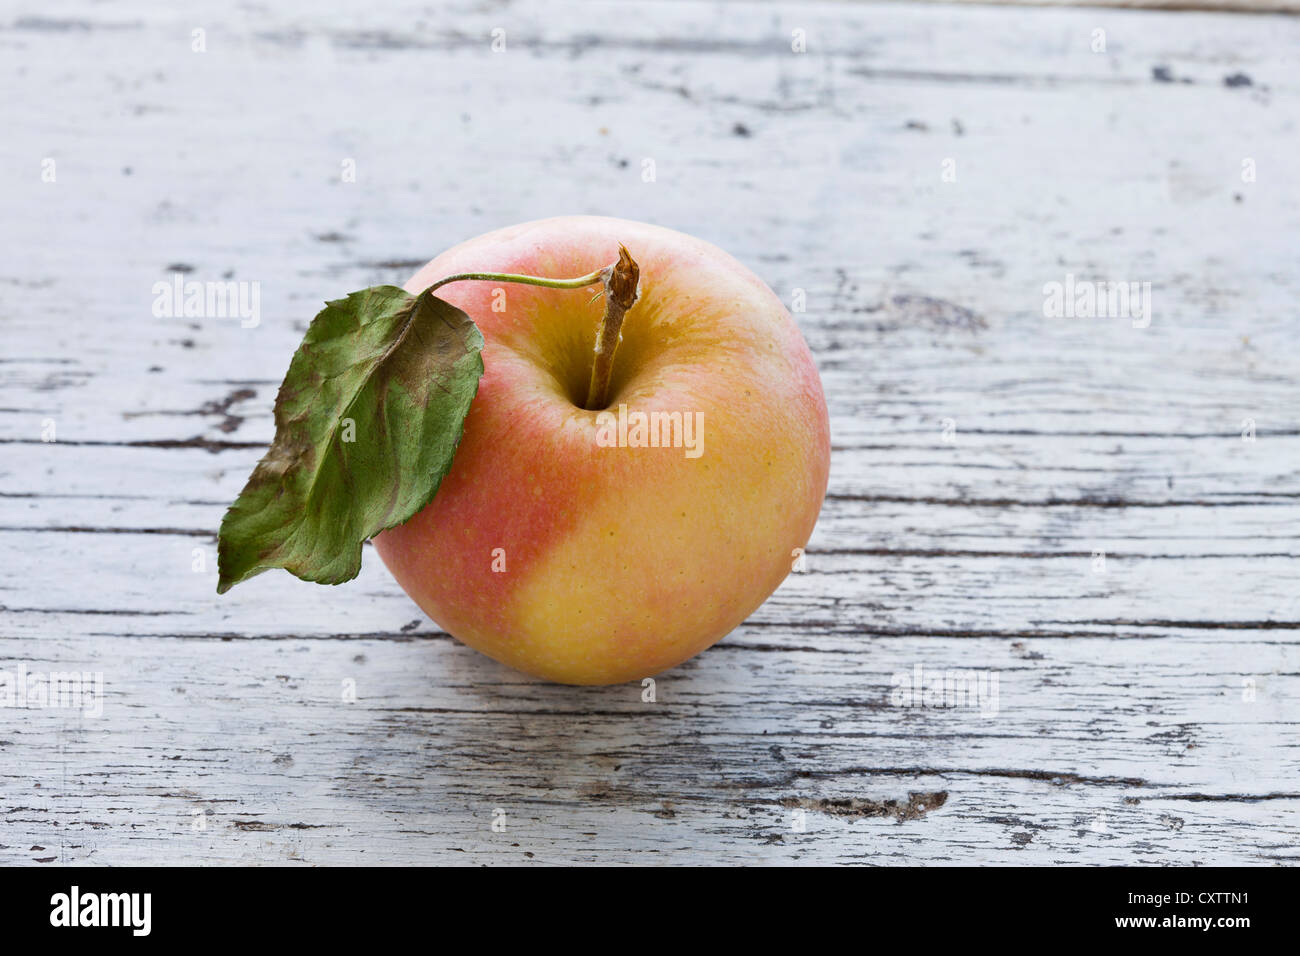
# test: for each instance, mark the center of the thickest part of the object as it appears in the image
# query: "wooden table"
(1074, 506)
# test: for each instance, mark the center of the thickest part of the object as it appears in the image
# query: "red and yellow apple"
(583, 560)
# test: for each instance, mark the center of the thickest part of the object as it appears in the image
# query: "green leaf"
(366, 424)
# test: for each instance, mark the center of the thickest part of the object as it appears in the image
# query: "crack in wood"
(1265, 625)
(1045, 503)
(1056, 778)
(1226, 797)
(81, 529)
(112, 612)
(198, 441)
(916, 806)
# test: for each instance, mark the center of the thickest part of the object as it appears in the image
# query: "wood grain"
(1173, 6)
(1146, 712)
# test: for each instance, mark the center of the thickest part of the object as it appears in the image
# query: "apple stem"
(620, 280)
(581, 282)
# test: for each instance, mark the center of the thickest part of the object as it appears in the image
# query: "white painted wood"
(1122, 732)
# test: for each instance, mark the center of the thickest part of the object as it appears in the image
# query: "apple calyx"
(367, 422)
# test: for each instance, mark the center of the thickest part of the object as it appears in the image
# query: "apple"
(596, 546)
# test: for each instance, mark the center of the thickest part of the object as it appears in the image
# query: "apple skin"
(619, 562)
